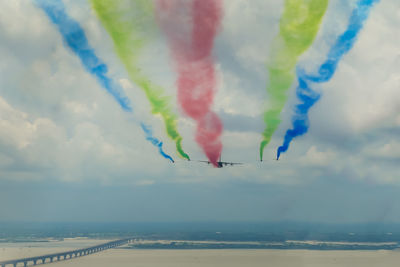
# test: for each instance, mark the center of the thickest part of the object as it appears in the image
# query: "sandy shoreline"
(236, 258)
(220, 257)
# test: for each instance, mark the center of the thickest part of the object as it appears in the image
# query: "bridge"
(64, 255)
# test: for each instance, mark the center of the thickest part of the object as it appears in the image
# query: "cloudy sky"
(67, 147)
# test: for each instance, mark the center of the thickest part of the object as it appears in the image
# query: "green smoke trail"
(298, 27)
(130, 24)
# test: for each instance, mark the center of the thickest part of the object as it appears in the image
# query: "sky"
(67, 147)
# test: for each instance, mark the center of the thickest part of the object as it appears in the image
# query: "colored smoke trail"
(75, 38)
(299, 25)
(191, 27)
(149, 136)
(343, 45)
(129, 23)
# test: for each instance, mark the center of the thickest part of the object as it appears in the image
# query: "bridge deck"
(65, 255)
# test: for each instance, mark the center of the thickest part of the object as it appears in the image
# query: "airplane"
(221, 164)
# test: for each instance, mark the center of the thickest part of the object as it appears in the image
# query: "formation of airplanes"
(221, 164)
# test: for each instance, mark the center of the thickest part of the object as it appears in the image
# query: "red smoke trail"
(191, 27)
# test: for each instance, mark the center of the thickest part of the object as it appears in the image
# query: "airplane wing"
(231, 163)
(205, 161)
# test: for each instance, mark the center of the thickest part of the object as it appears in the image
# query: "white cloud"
(314, 157)
(386, 151)
(20, 130)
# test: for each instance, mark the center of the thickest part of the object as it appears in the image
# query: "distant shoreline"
(286, 245)
(223, 235)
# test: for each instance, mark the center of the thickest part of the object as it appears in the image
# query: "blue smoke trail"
(309, 97)
(149, 136)
(75, 38)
